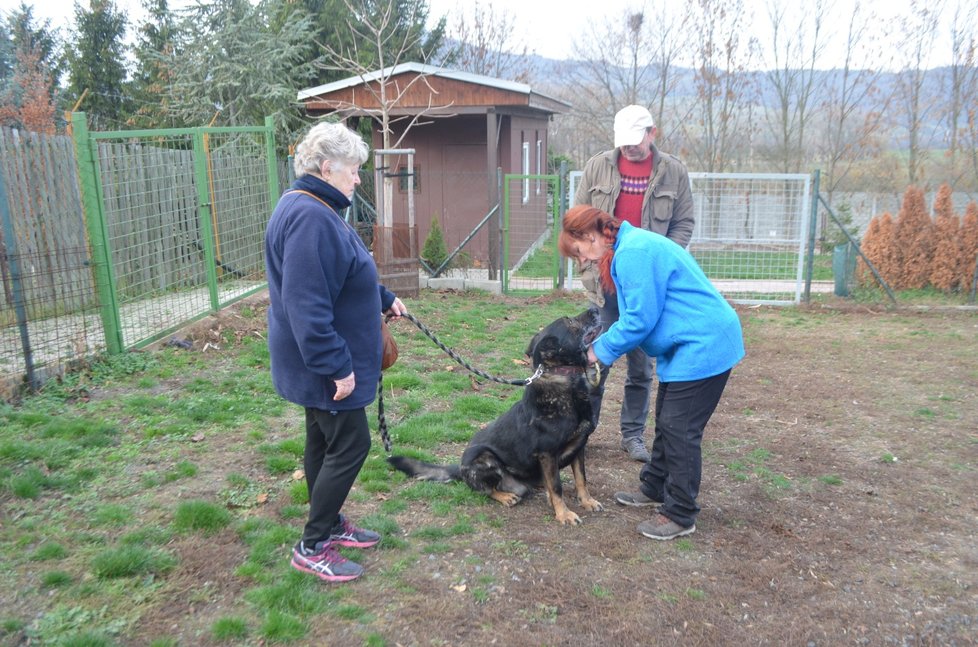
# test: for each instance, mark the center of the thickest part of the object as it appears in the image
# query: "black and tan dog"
(543, 432)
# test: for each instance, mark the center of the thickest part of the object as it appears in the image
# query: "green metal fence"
(175, 221)
(531, 216)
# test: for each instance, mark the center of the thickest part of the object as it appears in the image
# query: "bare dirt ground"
(838, 509)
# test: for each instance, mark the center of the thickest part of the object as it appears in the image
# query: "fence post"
(98, 235)
(273, 187)
(205, 200)
(557, 185)
(812, 230)
(9, 260)
(504, 237)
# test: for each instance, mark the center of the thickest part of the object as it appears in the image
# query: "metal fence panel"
(530, 257)
(749, 236)
(175, 231)
(184, 212)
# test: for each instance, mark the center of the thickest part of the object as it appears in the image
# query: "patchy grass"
(155, 498)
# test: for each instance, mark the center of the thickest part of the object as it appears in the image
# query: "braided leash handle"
(385, 436)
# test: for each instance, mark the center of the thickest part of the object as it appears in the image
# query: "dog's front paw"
(592, 505)
(569, 517)
(508, 499)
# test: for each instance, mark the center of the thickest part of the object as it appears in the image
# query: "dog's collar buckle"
(537, 373)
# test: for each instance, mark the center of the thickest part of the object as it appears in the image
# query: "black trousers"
(337, 443)
(675, 466)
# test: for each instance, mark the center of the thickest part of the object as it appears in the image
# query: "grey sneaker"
(636, 449)
(325, 562)
(662, 527)
(347, 534)
(635, 499)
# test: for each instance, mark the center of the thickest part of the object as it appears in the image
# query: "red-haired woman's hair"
(579, 223)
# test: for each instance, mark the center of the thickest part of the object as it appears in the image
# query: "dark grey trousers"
(337, 443)
(675, 466)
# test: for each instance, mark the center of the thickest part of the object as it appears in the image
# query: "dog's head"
(564, 342)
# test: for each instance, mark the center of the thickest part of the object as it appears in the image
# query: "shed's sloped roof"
(428, 88)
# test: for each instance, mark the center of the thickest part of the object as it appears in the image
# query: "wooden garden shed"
(462, 127)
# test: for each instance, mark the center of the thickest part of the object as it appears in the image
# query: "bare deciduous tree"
(627, 59)
(852, 105)
(482, 39)
(721, 60)
(796, 48)
(392, 30)
(963, 80)
(918, 33)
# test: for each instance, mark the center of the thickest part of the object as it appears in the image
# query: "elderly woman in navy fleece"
(324, 337)
(669, 309)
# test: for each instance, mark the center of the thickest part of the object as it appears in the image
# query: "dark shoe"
(635, 499)
(346, 534)
(325, 562)
(636, 449)
(662, 527)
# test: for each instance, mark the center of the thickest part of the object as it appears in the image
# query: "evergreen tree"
(96, 63)
(871, 247)
(947, 242)
(914, 241)
(152, 52)
(434, 251)
(29, 35)
(969, 246)
(232, 60)
(407, 19)
(6, 56)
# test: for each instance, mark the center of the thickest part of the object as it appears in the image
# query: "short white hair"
(329, 141)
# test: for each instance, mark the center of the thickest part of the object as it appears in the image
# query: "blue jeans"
(673, 472)
(638, 381)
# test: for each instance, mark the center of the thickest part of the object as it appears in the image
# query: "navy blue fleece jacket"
(326, 301)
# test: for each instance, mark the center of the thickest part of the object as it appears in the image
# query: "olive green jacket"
(667, 208)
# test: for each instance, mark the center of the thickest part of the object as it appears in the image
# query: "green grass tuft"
(229, 628)
(126, 561)
(201, 516)
(49, 550)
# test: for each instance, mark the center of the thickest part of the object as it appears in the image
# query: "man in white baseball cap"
(637, 183)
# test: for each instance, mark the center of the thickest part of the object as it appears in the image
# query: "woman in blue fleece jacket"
(669, 309)
(324, 336)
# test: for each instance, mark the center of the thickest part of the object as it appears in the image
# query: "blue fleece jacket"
(670, 309)
(326, 302)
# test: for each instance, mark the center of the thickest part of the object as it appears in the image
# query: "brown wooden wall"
(453, 177)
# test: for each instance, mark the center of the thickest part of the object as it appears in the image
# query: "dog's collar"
(565, 370)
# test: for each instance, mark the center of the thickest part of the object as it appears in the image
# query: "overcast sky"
(548, 26)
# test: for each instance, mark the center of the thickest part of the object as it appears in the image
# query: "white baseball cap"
(631, 124)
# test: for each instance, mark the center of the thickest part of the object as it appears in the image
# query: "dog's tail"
(425, 471)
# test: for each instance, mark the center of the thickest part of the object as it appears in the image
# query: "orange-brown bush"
(969, 245)
(914, 238)
(944, 268)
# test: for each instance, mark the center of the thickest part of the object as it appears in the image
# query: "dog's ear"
(543, 347)
(533, 342)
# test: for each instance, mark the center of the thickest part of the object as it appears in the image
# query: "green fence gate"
(531, 215)
(176, 221)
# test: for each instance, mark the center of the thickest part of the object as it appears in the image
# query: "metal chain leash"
(382, 419)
